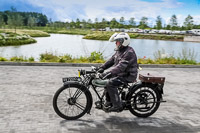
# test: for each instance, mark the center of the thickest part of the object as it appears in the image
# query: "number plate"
(67, 79)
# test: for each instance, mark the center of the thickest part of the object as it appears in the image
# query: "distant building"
(195, 32)
(108, 29)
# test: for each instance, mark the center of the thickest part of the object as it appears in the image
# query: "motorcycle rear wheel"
(143, 101)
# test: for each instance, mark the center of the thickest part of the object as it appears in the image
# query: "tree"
(83, 23)
(121, 20)
(89, 24)
(89, 21)
(189, 22)
(159, 23)
(96, 20)
(15, 20)
(2, 23)
(103, 23)
(143, 23)
(31, 21)
(173, 22)
(78, 23)
(113, 23)
(42, 20)
(132, 22)
(103, 20)
(72, 24)
(96, 23)
(168, 27)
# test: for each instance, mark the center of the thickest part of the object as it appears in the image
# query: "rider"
(123, 70)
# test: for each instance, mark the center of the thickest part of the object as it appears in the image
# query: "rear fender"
(158, 88)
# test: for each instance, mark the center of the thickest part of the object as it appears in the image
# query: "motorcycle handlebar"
(84, 72)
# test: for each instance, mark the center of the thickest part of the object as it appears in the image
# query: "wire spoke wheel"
(144, 101)
(71, 102)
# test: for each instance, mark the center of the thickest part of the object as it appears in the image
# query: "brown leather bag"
(151, 79)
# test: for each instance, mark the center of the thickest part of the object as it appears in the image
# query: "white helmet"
(122, 37)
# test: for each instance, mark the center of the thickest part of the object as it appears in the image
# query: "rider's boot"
(107, 104)
(115, 109)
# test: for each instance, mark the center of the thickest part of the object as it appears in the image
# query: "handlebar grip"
(89, 72)
(83, 72)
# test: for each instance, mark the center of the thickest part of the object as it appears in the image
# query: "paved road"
(26, 94)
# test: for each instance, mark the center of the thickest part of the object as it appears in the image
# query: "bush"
(82, 59)
(65, 58)
(3, 59)
(145, 61)
(48, 57)
(186, 57)
(12, 39)
(18, 59)
(96, 56)
(31, 59)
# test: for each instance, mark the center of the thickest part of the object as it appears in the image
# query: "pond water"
(76, 46)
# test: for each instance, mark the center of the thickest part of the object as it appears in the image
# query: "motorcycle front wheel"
(72, 101)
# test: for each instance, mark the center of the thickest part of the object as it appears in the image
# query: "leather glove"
(106, 75)
(101, 70)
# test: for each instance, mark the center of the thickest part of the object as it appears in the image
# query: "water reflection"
(76, 46)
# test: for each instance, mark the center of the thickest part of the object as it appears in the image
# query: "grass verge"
(185, 58)
(12, 39)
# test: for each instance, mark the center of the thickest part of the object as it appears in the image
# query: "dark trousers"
(112, 94)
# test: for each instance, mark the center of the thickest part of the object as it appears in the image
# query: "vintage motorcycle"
(74, 98)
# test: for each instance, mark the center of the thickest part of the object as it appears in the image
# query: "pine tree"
(132, 22)
(143, 23)
(159, 23)
(189, 22)
(122, 21)
(173, 22)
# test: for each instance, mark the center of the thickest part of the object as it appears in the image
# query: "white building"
(195, 31)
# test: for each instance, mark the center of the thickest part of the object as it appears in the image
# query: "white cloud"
(196, 19)
(85, 9)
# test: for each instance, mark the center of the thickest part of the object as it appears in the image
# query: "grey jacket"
(123, 64)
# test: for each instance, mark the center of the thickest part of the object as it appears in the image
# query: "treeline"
(13, 19)
(188, 24)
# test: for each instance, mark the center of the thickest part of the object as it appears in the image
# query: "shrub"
(96, 56)
(31, 59)
(186, 57)
(18, 59)
(65, 58)
(3, 59)
(48, 57)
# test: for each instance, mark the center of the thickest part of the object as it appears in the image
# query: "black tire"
(143, 101)
(67, 106)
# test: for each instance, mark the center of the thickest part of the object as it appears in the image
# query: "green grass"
(95, 57)
(88, 34)
(12, 39)
(8, 37)
(106, 36)
(185, 58)
(98, 35)
(32, 33)
(157, 37)
(68, 31)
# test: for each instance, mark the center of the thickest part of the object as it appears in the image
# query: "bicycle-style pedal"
(98, 105)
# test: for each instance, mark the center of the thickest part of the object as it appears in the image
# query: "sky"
(68, 10)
